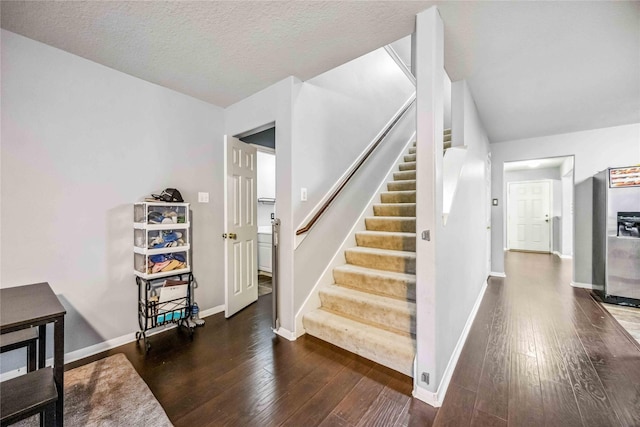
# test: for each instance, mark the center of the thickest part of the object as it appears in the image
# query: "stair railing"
(320, 211)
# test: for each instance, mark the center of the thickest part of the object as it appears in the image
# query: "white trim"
(451, 366)
(211, 311)
(264, 149)
(426, 396)
(312, 301)
(394, 55)
(328, 194)
(105, 345)
(13, 373)
(255, 130)
(285, 333)
(559, 255)
(225, 204)
(497, 274)
(582, 285)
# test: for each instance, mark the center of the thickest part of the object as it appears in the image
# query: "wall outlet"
(303, 194)
(203, 197)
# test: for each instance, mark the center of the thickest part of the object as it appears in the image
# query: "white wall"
(80, 143)
(461, 245)
(566, 246)
(452, 265)
(336, 115)
(594, 150)
(428, 63)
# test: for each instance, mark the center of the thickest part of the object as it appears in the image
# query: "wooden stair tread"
(27, 395)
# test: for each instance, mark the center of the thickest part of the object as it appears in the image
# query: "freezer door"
(623, 267)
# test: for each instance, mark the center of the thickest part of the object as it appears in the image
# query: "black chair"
(23, 338)
(18, 399)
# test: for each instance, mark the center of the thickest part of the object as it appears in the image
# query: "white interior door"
(529, 223)
(241, 228)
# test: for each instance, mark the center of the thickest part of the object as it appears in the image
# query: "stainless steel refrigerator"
(616, 235)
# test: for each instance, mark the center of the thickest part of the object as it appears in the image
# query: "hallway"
(539, 353)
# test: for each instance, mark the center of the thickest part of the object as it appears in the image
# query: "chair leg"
(48, 416)
(31, 356)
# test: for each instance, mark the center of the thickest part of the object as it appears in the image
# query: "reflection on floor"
(627, 317)
(264, 285)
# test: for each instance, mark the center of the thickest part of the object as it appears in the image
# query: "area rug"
(108, 392)
(627, 317)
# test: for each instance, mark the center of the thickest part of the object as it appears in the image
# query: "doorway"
(264, 140)
(539, 208)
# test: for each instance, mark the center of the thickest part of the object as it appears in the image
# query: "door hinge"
(426, 235)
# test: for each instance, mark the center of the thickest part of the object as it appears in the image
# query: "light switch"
(203, 197)
(303, 194)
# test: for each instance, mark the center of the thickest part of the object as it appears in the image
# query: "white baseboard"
(106, 345)
(285, 333)
(559, 255)
(13, 374)
(497, 274)
(211, 311)
(436, 399)
(100, 347)
(581, 285)
(427, 397)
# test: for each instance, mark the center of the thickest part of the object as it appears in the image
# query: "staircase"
(447, 139)
(371, 309)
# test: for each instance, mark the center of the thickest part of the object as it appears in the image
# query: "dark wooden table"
(36, 305)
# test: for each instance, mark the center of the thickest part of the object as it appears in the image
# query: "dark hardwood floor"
(539, 353)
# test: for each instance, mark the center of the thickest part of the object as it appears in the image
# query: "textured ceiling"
(534, 68)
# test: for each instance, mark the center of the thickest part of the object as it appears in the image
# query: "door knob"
(233, 236)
